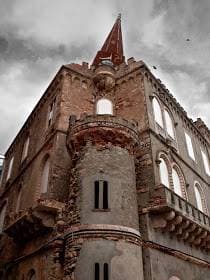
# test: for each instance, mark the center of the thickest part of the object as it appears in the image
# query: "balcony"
(32, 222)
(102, 130)
(173, 214)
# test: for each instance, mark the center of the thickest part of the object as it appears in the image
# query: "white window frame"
(189, 145)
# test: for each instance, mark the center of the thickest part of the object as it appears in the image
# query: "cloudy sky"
(37, 37)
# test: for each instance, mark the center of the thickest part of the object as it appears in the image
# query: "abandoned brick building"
(108, 179)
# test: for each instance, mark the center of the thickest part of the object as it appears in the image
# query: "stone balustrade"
(173, 214)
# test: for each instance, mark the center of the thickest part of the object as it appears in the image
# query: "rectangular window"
(96, 194)
(205, 162)
(97, 271)
(189, 146)
(10, 168)
(105, 195)
(106, 271)
(101, 198)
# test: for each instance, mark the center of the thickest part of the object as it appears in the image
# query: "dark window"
(106, 271)
(105, 195)
(97, 271)
(96, 194)
(101, 199)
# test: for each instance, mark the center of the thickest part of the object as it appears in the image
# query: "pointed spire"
(112, 48)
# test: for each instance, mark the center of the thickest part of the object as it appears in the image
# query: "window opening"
(164, 176)
(169, 124)
(198, 197)
(10, 168)
(157, 112)
(189, 146)
(106, 271)
(45, 176)
(205, 162)
(2, 217)
(176, 182)
(25, 149)
(97, 271)
(101, 200)
(96, 194)
(104, 107)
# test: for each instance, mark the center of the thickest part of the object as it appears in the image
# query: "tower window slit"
(105, 195)
(106, 271)
(97, 271)
(96, 194)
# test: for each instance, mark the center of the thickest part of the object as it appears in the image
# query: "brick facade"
(147, 231)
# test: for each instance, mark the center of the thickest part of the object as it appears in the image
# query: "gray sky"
(37, 37)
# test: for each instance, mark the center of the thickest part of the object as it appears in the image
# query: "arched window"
(2, 216)
(18, 200)
(176, 182)
(169, 124)
(104, 107)
(10, 168)
(200, 200)
(31, 275)
(45, 176)
(25, 149)
(164, 176)
(157, 112)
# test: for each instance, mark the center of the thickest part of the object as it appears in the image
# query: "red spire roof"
(113, 47)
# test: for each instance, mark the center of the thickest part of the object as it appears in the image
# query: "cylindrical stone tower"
(103, 241)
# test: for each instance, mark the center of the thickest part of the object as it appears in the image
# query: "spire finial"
(112, 48)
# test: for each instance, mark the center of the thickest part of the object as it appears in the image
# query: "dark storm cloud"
(37, 37)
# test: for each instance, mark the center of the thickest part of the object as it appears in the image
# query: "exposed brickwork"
(60, 234)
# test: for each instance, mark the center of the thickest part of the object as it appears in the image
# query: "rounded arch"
(200, 198)
(174, 278)
(45, 170)
(31, 275)
(157, 111)
(178, 181)
(164, 170)
(104, 106)
(169, 123)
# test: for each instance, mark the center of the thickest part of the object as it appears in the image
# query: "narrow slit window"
(97, 271)
(51, 113)
(96, 194)
(25, 149)
(10, 168)
(106, 271)
(205, 162)
(105, 195)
